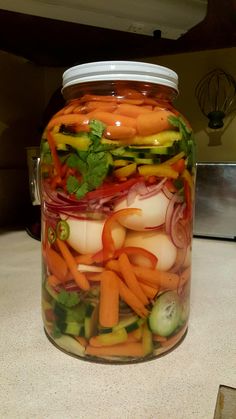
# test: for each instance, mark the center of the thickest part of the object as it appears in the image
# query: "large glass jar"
(117, 184)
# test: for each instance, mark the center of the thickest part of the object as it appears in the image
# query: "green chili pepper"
(63, 230)
(51, 235)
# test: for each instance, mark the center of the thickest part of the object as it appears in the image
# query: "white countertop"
(39, 381)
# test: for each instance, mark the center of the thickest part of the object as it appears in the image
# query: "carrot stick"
(84, 259)
(101, 106)
(134, 349)
(130, 298)
(119, 132)
(55, 157)
(107, 98)
(158, 338)
(164, 279)
(153, 122)
(79, 277)
(56, 264)
(174, 339)
(112, 119)
(70, 119)
(136, 335)
(109, 300)
(131, 110)
(149, 291)
(133, 250)
(52, 280)
(130, 278)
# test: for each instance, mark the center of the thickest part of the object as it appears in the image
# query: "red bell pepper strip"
(107, 241)
(111, 189)
(188, 200)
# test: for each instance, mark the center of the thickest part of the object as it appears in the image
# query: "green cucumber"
(91, 320)
(129, 324)
(140, 160)
(166, 313)
(113, 338)
(147, 340)
(163, 150)
(71, 345)
(73, 328)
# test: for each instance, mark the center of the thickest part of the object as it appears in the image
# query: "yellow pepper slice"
(126, 171)
(174, 159)
(187, 176)
(162, 170)
(80, 142)
(161, 138)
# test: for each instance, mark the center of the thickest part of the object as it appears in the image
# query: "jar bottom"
(157, 353)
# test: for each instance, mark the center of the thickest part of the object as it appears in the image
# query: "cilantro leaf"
(187, 144)
(68, 299)
(96, 127)
(72, 184)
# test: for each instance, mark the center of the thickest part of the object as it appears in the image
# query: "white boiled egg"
(157, 243)
(152, 215)
(86, 235)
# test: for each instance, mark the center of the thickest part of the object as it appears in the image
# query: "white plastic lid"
(120, 70)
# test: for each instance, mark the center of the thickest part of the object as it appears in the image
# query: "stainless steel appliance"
(215, 211)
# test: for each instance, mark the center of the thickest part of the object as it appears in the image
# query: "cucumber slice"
(163, 150)
(69, 344)
(73, 328)
(147, 340)
(139, 160)
(165, 314)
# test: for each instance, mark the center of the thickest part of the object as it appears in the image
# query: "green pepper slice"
(63, 230)
(51, 235)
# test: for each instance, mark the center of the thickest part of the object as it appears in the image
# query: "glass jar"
(117, 185)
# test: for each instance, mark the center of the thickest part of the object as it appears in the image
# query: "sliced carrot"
(70, 119)
(135, 335)
(88, 98)
(55, 158)
(158, 338)
(109, 299)
(153, 122)
(56, 264)
(133, 250)
(129, 349)
(130, 278)
(130, 298)
(179, 166)
(119, 132)
(112, 119)
(131, 110)
(79, 277)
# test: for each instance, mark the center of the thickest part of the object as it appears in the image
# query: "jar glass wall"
(117, 182)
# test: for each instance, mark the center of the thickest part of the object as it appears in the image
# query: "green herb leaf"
(96, 127)
(72, 184)
(68, 299)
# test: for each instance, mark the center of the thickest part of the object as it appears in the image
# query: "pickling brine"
(117, 185)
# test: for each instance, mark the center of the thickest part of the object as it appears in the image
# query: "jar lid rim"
(120, 70)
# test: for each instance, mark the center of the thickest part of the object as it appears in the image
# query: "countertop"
(41, 382)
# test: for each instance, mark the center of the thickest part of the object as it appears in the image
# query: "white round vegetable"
(86, 235)
(152, 215)
(157, 243)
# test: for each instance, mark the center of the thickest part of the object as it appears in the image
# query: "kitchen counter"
(41, 382)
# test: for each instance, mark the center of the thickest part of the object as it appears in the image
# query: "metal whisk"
(216, 95)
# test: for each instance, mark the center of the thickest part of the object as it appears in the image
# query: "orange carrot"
(133, 250)
(55, 157)
(174, 339)
(83, 341)
(119, 132)
(131, 110)
(112, 119)
(88, 98)
(179, 166)
(158, 338)
(149, 291)
(109, 299)
(52, 280)
(130, 298)
(125, 93)
(166, 280)
(130, 278)
(84, 259)
(70, 119)
(56, 264)
(153, 122)
(102, 106)
(129, 349)
(79, 277)
(135, 335)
